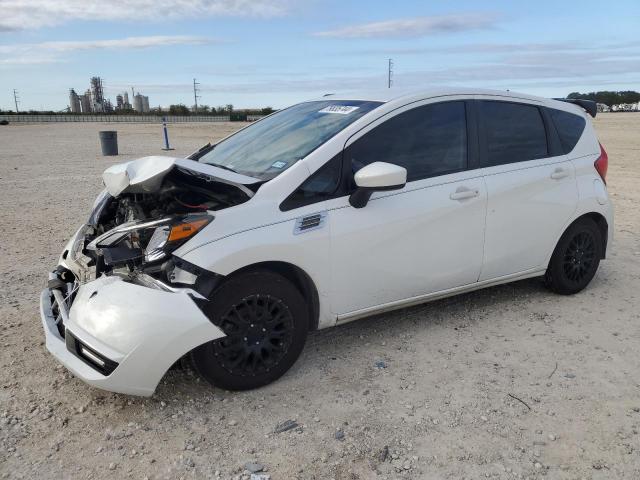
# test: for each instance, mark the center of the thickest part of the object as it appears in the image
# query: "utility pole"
(390, 74)
(195, 95)
(15, 99)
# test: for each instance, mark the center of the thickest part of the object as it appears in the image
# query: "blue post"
(166, 135)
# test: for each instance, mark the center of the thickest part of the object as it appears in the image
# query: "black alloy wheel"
(265, 320)
(576, 257)
(579, 257)
(259, 333)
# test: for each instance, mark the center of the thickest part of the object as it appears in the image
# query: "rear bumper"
(140, 330)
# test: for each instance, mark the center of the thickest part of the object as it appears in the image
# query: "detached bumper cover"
(141, 329)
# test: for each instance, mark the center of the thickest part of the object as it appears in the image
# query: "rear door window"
(568, 126)
(514, 132)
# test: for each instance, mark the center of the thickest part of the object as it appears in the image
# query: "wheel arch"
(298, 277)
(600, 221)
(603, 226)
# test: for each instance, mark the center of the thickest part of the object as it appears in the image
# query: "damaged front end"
(149, 208)
(118, 294)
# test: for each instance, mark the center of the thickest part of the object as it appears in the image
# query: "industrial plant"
(94, 101)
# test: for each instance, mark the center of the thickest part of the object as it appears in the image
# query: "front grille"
(63, 291)
(57, 315)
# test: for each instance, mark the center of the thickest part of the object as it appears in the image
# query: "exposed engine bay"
(159, 204)
(182, 192)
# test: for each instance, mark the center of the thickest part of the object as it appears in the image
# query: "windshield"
(270, 146)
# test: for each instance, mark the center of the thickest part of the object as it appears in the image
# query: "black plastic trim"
(361, 196)
(340, 191)
(554, 146)
(206, 280)
(73, 345)
(473, 135)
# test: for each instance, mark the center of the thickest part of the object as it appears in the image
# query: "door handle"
(559, 173)
(462, 193)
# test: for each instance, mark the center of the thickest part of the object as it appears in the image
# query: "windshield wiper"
(224, 167)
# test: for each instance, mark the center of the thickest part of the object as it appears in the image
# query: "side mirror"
(377, 176)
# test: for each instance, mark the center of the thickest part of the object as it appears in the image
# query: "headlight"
(152, 240)
(168, 237)
(155, 247)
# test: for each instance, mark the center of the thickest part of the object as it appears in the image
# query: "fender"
(590, 199)
(272, 243)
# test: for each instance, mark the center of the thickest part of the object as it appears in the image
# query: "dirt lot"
(442, 407)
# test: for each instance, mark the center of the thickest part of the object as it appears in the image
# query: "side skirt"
(429, 297)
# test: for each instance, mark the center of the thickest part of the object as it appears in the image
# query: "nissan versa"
(319, 214)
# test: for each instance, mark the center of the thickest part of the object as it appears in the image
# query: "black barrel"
(109, 143)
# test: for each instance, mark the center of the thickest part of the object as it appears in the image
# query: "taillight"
(602, 163)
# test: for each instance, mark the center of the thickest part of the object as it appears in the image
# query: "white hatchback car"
(322, 213)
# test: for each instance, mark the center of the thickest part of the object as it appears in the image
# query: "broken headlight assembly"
(136, 242)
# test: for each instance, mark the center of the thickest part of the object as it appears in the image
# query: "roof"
(393, 94)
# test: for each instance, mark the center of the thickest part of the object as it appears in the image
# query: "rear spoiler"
(589, 106)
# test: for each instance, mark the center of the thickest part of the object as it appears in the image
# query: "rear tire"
(576, 258)
(265, 320)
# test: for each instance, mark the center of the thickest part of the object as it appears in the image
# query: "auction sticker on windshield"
(341, 109)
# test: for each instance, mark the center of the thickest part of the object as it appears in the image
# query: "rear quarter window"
(569, 127)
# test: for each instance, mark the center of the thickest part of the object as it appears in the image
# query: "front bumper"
(141, 331)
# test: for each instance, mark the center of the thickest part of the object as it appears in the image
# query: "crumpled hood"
(145, 175)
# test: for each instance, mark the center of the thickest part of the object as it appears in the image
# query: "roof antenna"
(390, 74)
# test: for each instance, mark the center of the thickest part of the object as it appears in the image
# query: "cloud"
(497, 48)
(562, 71)
(31, 14)
(49, 52)
(415, 27)
(39, 60)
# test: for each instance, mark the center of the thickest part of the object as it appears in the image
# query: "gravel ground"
(508, 382)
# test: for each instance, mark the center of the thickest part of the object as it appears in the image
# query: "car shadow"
(344, 341)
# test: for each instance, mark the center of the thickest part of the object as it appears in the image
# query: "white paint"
(143, 329)
(380, 175)
(145, 174)
(526, 213)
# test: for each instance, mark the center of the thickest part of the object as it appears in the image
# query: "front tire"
(265, 320)
(576, 258)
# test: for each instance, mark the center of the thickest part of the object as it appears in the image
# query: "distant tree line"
(608, 97)
(32, 112)
(227, 110)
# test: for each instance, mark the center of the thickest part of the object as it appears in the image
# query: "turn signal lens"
(185, 230)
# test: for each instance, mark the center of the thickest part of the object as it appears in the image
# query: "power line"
(390, 74)
(195, 95)
(15, 99)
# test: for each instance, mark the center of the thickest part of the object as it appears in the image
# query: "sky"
(257, 53)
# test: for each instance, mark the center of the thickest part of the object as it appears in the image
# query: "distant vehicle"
(322, 213)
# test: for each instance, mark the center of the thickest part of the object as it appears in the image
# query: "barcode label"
(340, 109)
